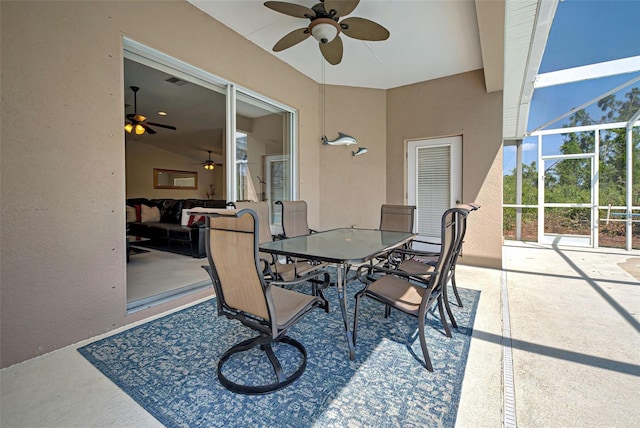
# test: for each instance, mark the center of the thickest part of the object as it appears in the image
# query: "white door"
(434, 181)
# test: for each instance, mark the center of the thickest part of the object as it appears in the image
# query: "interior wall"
(63, 234)
(454, 105)
(142, 158)
(353, 187)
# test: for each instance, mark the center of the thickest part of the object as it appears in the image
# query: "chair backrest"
(468, 207)
(397, 218)
(262, 210)
(451, 236)
(294, 218)
(233, 258)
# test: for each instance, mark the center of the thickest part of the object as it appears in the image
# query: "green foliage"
(569, 180)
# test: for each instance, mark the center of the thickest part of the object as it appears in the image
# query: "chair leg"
(387, 311)
(445, 299)
(355, 317)
(455, 289)
(264, 342)
(423, 342)
(445, 324)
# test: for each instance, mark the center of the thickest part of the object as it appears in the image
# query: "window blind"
(433, 190)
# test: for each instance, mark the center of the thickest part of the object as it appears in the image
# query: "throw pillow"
(149, 214)
(195, 219)
(184, 218)
(131, 214)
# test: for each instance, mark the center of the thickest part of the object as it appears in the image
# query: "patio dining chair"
(294, 219)
(294, 222)
(273, 267)
(243, 294)
(397, 218)
(409, 294)
(418, 262)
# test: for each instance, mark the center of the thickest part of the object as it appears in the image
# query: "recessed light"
(162, 113)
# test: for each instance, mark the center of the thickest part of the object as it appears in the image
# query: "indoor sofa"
(173, 231)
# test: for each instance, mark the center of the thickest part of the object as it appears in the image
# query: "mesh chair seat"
(415, 267)
(289, 305)
(406, 296)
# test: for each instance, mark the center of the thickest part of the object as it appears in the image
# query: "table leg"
(341, 286)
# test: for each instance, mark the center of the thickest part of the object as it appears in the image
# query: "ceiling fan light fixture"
(128, 127)
(209, 166)
(139, 129)
(324, 30)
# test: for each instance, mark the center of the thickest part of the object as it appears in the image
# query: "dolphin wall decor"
(342, 140)
(361, 151)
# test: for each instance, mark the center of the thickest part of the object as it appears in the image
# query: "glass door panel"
(263, 152)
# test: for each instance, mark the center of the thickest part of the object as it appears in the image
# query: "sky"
(583, 32)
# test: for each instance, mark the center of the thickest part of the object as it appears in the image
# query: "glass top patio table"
(342, 247)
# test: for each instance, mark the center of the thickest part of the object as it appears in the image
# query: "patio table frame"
(342, 247)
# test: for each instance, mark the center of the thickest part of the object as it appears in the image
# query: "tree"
(569, 180)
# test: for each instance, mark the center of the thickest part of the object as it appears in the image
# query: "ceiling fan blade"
(342, 7)
(147, 128)
(291, 39)
(161, 125)
(363, 29)
(290, 9)
(332, 51)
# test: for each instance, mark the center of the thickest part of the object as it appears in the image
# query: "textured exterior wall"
(63, 229)
(455, 105)
(353, 187)
(62, 248)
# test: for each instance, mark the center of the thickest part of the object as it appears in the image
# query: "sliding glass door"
(239, 144)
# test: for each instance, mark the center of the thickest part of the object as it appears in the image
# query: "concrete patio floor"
(572, 323)
(574, 335)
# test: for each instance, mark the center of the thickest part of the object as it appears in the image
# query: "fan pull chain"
(323, 97)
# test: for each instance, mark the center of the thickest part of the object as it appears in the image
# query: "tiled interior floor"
(575, 336)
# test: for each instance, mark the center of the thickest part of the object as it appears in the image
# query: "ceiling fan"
(326, 26)
(208, 164)
(138, 123)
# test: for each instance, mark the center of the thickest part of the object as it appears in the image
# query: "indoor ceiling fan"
(326, 26)
(208, 164)
(138, 123)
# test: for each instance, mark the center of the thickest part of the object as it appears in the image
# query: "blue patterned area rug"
(169, 367)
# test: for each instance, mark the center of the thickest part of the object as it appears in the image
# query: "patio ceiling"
(429, 40)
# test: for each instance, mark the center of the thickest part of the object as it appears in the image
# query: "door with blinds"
(434, 181)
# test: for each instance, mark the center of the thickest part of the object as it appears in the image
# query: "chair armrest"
(307, 277)
(377, 268)
(411, 252)
(422, 241)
